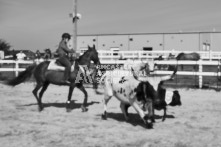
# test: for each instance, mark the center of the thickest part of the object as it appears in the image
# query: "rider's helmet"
(66, 35)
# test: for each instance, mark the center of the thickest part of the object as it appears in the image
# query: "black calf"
(158, 99)
(160, 102)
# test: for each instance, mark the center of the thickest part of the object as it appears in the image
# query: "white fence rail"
(140, 55)
(15, 64)
(198, 73)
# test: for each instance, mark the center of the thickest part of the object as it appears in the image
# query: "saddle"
(53, 65)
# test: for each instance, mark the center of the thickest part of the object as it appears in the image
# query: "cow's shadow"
(161, 116)
(73, 104)
(134, 119)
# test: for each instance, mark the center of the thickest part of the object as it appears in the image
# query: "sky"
(38, 24)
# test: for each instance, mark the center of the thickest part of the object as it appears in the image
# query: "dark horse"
(188, 56)
(168, 67)
(44, 77)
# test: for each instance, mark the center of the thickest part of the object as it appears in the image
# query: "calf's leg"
(108, 93)
(105, 101)
(164, 114)
(124, 108)
(146, 120)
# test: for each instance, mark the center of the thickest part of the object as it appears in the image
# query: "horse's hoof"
(84, 109)
(127, 119)
(68, 110)
(40, 108)
(163, 119)
(149, 126)
(104, 117)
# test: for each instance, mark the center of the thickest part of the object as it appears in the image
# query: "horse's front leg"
(164, 114)
(35, 92)
(68, 103)
(84, 105)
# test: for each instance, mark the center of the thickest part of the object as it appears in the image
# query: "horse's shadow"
(134, 119)
(73, 105)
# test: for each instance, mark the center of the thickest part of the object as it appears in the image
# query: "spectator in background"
(20, 56)
(37, 55)
(47, 54)
(14, 55)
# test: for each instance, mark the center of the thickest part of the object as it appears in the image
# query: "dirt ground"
(197, 123)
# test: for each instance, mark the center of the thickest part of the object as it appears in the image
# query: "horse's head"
(93, 54)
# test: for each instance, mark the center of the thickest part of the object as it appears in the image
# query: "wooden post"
(74, 25)
(16, 68)
(200, 76)
(210, 54)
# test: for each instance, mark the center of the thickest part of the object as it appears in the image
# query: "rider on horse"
(63, 59)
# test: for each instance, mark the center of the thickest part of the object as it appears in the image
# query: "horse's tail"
(23, 76)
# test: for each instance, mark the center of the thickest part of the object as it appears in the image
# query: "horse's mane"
(84, 54)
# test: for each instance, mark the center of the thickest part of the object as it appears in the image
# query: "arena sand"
(197, 123)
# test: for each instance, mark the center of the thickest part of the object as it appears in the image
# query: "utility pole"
(74, 21)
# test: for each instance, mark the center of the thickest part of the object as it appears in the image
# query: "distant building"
(191, 41)
(2, 55)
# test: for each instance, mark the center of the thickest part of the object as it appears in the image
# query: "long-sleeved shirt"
(63, 49)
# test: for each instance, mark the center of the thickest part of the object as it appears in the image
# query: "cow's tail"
(101, 82)
(23, 76)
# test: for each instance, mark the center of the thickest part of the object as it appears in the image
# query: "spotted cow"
(129, 91)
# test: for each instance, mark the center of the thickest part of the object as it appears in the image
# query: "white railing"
(198, 73)
(139, 55)
(15, 64)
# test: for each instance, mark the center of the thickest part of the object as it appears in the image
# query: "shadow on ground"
(73, 104)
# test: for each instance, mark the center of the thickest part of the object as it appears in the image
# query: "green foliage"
(4, 46)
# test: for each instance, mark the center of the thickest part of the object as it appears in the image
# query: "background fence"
(206, 72)
(143, 55)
